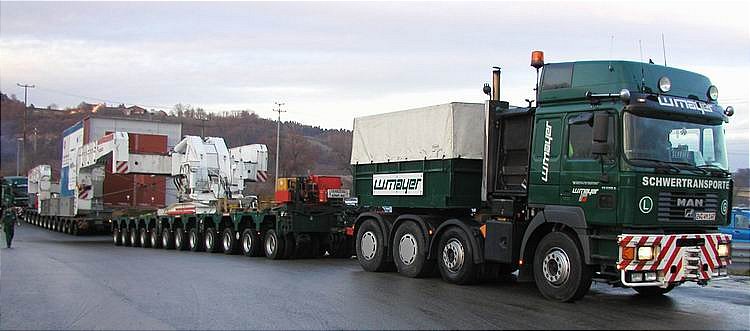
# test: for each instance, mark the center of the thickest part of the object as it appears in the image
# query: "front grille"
(672, 206)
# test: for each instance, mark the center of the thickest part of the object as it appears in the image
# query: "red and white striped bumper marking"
(670, 255)
(122, 167)
(261, 176)
(84, 194)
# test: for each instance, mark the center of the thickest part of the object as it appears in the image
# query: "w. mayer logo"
(398, 184)
(547, 151)
(584, 193)
(685, 104)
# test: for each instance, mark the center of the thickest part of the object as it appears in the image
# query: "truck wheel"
(229, 242)
(653, 291)
(196, 244)
(74, 228)
(180, 242)
(273, 245)
(155, 240)
(370, 247)
(559, 271)
(145, 243)
(167, 242)
(134, 237)
(456, 257)
(116, 237)
(410, 251)
(212, 244)
(250, 243)
(290, 246)
(125, 237)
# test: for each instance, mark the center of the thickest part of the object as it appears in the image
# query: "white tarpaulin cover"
(454, 130)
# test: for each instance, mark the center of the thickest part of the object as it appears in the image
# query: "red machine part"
(137, 190)
(313, 189)
(323, 184)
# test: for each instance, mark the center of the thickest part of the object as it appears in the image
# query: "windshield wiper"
(660, 165)
(692, 167)
(715, 168)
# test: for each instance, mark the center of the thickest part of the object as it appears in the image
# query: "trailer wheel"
(370, 247)
(180, 243)
(155, 240)
(250, 243)
(134, 237)
(195, 242)
(456, 257)
(145, 242)
(410, 251)
(167, 242)
(290, 246)
(274, 245)
(74, 228)
(653, 291)
(559, 271)
(212, 244)
(229, 242)
(125, 237)
(116, 237)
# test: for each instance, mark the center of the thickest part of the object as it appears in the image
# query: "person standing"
(10, 219)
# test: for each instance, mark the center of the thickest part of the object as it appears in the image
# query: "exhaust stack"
(495, 84)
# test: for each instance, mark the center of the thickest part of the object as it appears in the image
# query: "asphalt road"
(55, 281)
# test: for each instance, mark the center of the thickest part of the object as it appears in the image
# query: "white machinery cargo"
(447, 131)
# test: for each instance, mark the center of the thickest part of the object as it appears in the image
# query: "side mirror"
(599, 145)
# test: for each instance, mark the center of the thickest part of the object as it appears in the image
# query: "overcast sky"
(330, 62)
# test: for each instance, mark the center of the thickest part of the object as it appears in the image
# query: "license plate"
(705, 216)
(338, 193)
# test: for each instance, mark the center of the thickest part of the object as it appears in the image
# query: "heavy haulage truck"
(619, 173)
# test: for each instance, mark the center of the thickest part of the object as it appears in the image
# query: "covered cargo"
(428, 157)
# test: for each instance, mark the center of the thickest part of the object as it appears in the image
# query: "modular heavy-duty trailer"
(619, 173)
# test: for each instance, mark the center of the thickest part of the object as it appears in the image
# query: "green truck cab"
(618, 174)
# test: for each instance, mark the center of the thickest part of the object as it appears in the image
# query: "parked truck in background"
(619, 173)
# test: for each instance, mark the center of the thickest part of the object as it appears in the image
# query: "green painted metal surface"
(447, 184)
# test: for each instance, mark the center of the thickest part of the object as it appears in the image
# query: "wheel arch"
(470, 227)
(569, 219)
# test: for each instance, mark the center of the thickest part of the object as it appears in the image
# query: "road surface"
(51, 280)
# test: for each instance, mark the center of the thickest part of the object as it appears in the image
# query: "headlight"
(665, 84)
(713, 93)
(723, 250)
(645, 253)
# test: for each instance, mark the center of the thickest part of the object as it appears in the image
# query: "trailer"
(308, 219)
(618, 174)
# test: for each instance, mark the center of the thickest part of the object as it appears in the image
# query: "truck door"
(544, 177)
(584, 180)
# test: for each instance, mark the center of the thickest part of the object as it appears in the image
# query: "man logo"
(690, 213)
(686, 202)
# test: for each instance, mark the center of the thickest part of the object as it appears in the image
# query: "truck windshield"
(675, 142)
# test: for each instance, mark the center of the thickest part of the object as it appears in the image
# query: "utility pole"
(18, 156)
(278, 135)
(36, 137)
(26, 88)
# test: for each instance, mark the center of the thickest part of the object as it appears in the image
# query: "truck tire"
(180, 240)
(339, 246)
(145, 242)
(250, 243)
(211, 241)
(229, 242)
(195, 240)
(290, 246)
(155, 239)
(116, 237)
(134, 237)
(125, 237)
(410, 251)
(559, 270)
(456, 257)
(273, 245)
(370, 247)
(653, 291)
(167, 242)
